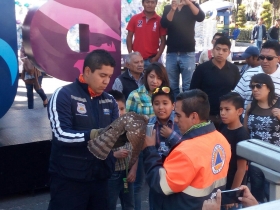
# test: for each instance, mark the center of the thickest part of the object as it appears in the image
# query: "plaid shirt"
(121, 162)
(174, 136)
(139, 101)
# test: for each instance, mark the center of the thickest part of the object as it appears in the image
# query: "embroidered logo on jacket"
(106, 111)
(218, 158)
(81, 108)
(105, 101)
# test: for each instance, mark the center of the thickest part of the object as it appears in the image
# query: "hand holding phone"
(231, 196)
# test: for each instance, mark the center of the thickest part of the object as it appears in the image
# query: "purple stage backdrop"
(45, 34)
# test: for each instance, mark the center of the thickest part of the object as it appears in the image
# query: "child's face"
(163, 107)
(121, 106)
(229, 113)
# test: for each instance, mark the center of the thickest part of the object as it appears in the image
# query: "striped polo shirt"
(243, 85)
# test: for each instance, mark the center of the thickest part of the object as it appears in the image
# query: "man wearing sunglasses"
(269, 60)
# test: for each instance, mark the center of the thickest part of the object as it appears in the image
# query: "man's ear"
(86, 71)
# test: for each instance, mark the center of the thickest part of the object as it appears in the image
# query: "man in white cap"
(251, 55)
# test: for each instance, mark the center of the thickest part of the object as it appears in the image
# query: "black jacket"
(128, 83)
(73, 113)
(255, 32)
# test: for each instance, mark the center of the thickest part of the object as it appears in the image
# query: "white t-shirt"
(204, 57)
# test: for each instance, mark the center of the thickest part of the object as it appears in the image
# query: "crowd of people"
(192, 150)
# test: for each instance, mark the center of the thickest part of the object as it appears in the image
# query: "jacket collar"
(198, 132)
(154, 119)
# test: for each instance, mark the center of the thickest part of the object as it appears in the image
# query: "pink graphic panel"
(45, 34)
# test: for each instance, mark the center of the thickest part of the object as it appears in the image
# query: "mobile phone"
(231, 196)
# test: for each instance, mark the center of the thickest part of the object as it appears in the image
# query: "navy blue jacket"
(255, 32)
(73, 113)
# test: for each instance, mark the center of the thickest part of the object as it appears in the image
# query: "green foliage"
(245, 35)
(241, 15)
(160, 7)
(266, 14)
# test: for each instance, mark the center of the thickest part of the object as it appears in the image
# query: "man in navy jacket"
(76, 112)
(258, 34)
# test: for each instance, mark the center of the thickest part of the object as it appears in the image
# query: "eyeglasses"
(164, 89)
(269, 58)
(257, 85)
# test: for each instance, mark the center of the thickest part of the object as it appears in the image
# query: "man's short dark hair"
(270, 44)
(235, 98)
(223, 41)
(145, 0)
(195, 101)
(218, 34)
(170, 95)
(97, 58)
(118, 96)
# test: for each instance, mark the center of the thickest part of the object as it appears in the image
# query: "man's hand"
(213, 204)
(132, 173)
(174, 5)
(165, 131)
(248, 199)
(186, 2)
(252, 41)
(276, 113)
(122, 153)
(150, 140)
(154, 59)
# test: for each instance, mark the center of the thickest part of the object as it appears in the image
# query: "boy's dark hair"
(145, 0)
(269, 44)
(118, 96)
(235, 98)
(170, 95)
(223, 41)
(195, 101)
(160, 72)
(97, 58)
(218, 34)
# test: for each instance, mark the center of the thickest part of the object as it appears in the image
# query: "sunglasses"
(257, 85)
(269, 58)
(163, 89)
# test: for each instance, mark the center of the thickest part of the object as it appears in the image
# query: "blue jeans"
(258, 44)
(139, 182)
(259, 186)
(146, 63)
(116, 189)
(30, 97)
(180, 63)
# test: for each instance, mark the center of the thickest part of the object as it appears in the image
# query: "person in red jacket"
(196, 166)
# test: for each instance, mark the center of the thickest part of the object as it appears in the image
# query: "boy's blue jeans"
(116, 189)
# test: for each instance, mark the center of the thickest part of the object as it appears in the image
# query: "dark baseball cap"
(252, 50)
